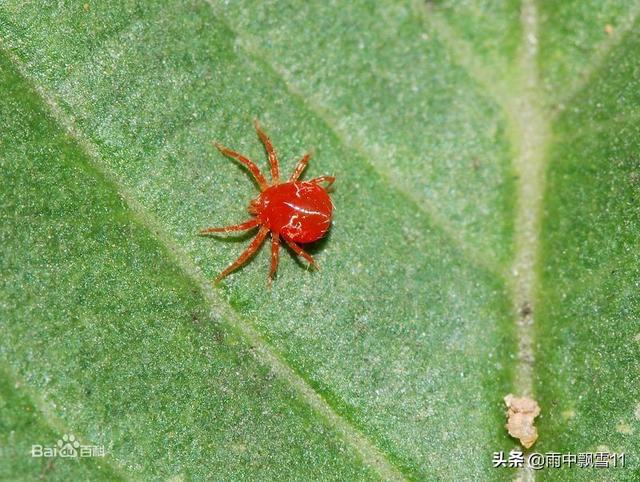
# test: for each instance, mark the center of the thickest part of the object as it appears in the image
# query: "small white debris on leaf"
(520, 414)
(624, 428)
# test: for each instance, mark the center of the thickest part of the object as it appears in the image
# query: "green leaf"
(484, 241)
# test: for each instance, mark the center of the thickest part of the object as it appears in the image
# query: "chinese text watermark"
(557, 460)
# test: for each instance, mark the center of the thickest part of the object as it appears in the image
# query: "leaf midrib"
(530, 133)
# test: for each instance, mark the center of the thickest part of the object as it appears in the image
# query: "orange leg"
(302, 163)
(252, 223)
(328, 179)
(301, 252)
(250, 251)
(262, 182)
(273, 159)
(275, 255)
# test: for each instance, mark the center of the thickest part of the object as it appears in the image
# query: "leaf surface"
(484, 238)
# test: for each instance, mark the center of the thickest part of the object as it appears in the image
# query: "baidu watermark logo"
(67, 447)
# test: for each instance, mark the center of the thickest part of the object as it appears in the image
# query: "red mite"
(293, 211)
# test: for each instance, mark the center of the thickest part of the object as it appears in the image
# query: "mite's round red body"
(298, 211)
(293, 212)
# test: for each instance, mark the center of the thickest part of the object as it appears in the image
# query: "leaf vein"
(600, 57)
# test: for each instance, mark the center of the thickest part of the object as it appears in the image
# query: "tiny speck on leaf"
(525, 310)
